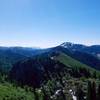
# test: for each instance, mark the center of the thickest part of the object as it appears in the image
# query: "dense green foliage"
(10, 92)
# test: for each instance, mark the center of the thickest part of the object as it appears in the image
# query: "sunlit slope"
(70, 62)
(10, 92)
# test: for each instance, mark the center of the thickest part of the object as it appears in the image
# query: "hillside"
(42, 67)
(69, 61)
(49, 74)
(82, 57)
(55, 71)
(34, 71)
(11, 55)
(11, 92)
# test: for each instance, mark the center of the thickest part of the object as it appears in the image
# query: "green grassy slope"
(10, 92)
(70, 62)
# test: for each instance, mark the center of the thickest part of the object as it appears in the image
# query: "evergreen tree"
(93, 91)
(45, 95)
(94, 75)
(79, 93)
(91, 94)
(60, 79)
(89, 91)
(98, 93)
(35, 94)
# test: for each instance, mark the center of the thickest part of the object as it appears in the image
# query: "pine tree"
(89, 91)
(94, 75)
(79, 93)
(91, 94)
(45, 96)
(93, 91)
(98, 93)
(35, 94)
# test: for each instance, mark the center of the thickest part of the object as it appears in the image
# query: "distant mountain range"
(89, 55)
(25, 51)
(27, 64)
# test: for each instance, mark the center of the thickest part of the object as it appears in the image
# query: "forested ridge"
(57, 73)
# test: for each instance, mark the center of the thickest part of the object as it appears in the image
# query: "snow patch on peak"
(67, 44)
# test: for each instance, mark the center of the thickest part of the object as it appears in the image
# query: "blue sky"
(46, 23)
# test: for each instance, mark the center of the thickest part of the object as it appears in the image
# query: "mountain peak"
(67, 44)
